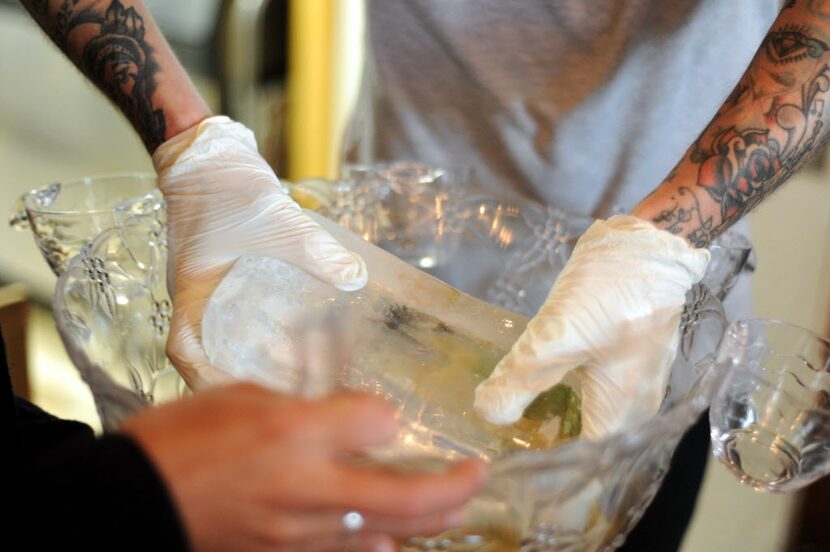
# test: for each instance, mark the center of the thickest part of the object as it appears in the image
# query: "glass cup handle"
(19, 217)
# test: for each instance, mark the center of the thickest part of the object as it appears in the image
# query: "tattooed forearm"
(70, 16)
(819, 7)
(111, 41)
(121, 62)
(39, 6)
(685, 213)
(773, 121)
(115, 55)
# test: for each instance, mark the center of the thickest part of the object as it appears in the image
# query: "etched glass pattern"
(113, 314)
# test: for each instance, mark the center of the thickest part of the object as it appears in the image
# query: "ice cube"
(415, 340)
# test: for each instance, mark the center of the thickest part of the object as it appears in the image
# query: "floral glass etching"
(113, 313)
(507, 251)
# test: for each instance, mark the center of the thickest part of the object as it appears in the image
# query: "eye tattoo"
(791, 45)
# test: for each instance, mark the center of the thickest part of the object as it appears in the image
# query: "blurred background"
(268, 63)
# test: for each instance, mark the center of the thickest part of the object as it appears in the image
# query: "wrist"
(182, 105)
(202, 140)
(668, 216)
(639, 243)
(648, 210)
(183, 119)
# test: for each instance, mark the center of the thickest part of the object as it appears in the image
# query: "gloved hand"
(224, 201)
(614, 312)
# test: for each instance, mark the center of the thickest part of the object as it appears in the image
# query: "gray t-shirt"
(583, 104)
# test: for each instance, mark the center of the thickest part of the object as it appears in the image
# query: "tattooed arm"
(773, 121)
(118, 46)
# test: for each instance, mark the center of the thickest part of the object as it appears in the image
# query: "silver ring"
(352, 522)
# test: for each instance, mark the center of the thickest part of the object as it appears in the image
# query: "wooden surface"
(14, 317)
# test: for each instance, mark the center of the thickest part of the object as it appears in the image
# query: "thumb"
(542, 356)
(305, 244)
(620, 395)
(328, 260)
(187, 354)
(602, 405)
(501, 401)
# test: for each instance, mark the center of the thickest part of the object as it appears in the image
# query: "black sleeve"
(100, 494)
(65, 489)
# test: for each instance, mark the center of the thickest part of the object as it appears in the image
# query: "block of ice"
(414, 339)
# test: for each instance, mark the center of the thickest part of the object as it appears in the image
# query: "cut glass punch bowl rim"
(636, 437)
(648, 444)
(681, 413)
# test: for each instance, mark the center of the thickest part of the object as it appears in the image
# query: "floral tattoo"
(117, 59)
(738, 166)
(121, 61)
(773, 122)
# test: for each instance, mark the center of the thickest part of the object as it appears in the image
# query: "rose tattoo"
(738, 167)
(121, 60)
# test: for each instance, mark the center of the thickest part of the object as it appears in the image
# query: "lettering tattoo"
(773, 122)
(117, 57)
(678, 217)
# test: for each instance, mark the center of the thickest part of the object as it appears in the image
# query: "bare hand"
(253, 470)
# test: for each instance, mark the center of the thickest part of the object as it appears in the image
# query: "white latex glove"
(224, 201)
(615, 311)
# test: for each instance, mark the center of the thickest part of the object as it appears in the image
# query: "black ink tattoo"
(735, 96)
(64, 19)
(118, 58)
(121, 62)
(819, 7)
(40, 7)
(673, 173)
(792, 44)
(777, 124)
(738, 167)
(760, 165)
(677, 219)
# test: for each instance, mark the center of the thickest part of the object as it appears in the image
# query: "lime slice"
(560, 400)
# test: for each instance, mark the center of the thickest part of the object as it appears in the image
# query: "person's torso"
(584, 104)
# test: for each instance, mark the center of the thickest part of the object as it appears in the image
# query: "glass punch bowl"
(113, 314)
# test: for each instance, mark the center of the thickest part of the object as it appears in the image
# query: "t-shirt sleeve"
(96, 494)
